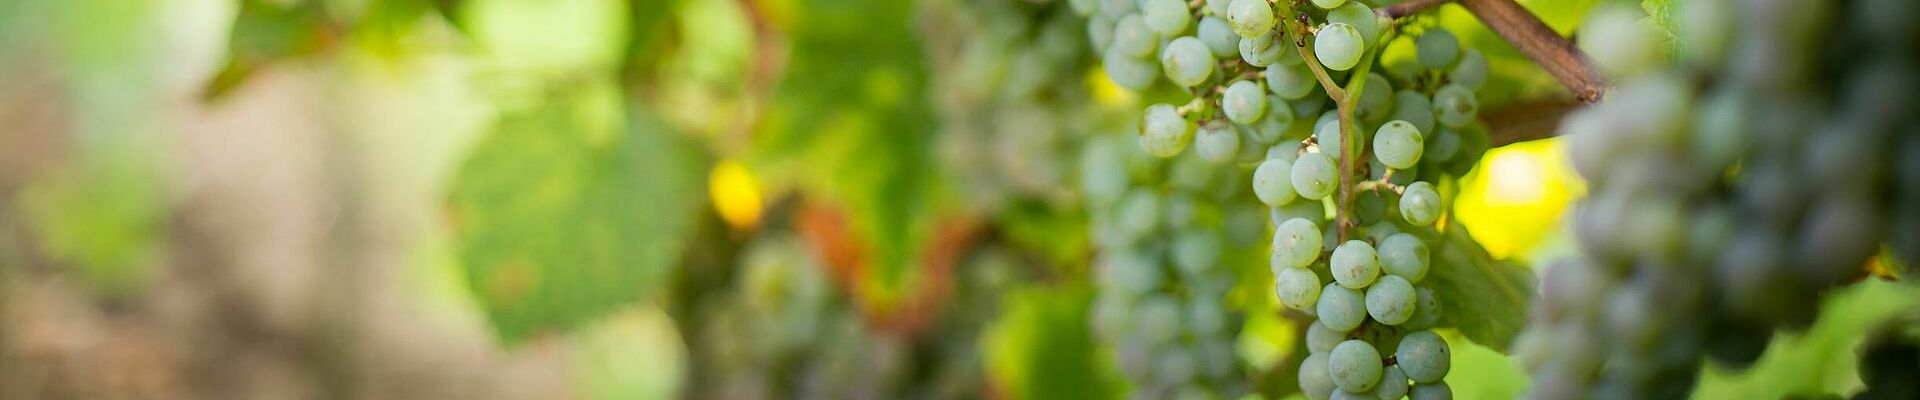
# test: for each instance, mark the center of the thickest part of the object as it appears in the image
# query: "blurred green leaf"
(1821, 360)
(1040, 347)
(1486, 299)
(106, 221)
(266, 31)
(561, 219)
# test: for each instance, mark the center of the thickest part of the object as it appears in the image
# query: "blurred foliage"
(1041, 347)
(1485, 299)
(563, 214)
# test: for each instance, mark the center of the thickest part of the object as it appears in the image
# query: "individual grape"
(1360, 17)
(1321, 339)
(1404, 255)
(1138, 213)
(1340, 308)
(1163, 132)
(1326, 133)
(1328, 4)
(1103, 171)
(1398, 144)
(1219, 37)
(1443, 146)
(1187, 61)
(1297, 288)
(1375, 100)
(1132, 38)
(1338, 46)
(1413, 107)
(1128, 72)
(1130, 274)
(1430, 391)
(1471, 71)
(1613, 38)
(1315, 382)
(1313, 176)
(1084, 7)
(1311, 211)
(1455, 106)
(1166, 17)
(1346, 395)
(1205, 315)
(1176, 365)
(1244, 102)
(1296, 243)
(1420, 205)
(1216, 142)
(1195, 251)
(1116, 8)
(1291, 81)
(1391, 300)
(1354, 265)
(1278, 119)
(1218, 7)
(1424, 357)
(1355, 366)
(1159, 318)
(1100, 32)
(1250, 18)
(1263, 50)
(1393, 384)
(1272, 182)
(1437, 49)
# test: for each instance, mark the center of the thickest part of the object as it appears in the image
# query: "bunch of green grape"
(1256, 103)
(1732, 186)
(1162, 270)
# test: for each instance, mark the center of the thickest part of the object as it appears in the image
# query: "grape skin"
(1250, 18)
(1132, 38)
(1391, 300)
(1404, 255)
(1216, 142)
(1354, 366)
(1354, 265)
(1218, 36)
(1315, 381)
(1393, 384)
(1272, 182)
(1291, 81)
(1437, 49)
(1297, 288)
(1340, 308)
(1321, 339)
(1455, 106)
(1398, 144)
(1244, 102)
(1163, 132)
(1296, 243)
(1166, 17)
(1420, 205)
(1313, 176)
(1339, 46)
(1424, 357)
(1187, 61)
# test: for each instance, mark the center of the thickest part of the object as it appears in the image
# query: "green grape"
(1431, 391)
(1391, 300)
(1186, 61)
(1354, 265)
(1132, 274)
(1278, 119)
(1261, 51)
(1297, 288)
(1128, 72)
(1216, 142)
(1116, 8)
(1244, 102)
(1328, 4)
(1219, 7)
(1613, 38)
(1132, 38)
(1218, 36)
(1310, 211)
(1424, 357)
(1296, 243)
(1159, 318)
(1139, 211)
(1355, 366)
(1166, 17)
(1326, 132)
(1195, 251)
(1321, 339)
(1339, 46)
(1393, 384)
(1084, 7)
(1471, 71)
(1360, 17)
(1437, 49)
(1205, 315)
(1176, 365)
(1290, 81)
(1285, 151)
(1455, 106)
(1313, 176)
(1398, 144)
(1253, 146)
(1340, 308)
(1343, 394)
(1404, 255)
(1444, 145)
(1420, 205)
(1314, 380)
(1100, 32)
(1103, 171)
(1413, 107)
(1163, 133)
(1376, 100)
(1250, 18)
(1272, 182)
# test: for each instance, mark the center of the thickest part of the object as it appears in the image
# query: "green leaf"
(268, 31)
(1040, 347)
(561, 217)
(1822, 359)
(1485, 299)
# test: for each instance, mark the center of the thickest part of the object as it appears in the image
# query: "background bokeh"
(619, 199)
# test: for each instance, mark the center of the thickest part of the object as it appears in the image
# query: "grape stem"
(1380, 184)
(1554, 53)
(1408, 8)
(1297, 29)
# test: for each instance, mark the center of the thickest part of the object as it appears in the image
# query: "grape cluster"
(1257, 103)
(1731, 186)
(1161, 268)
